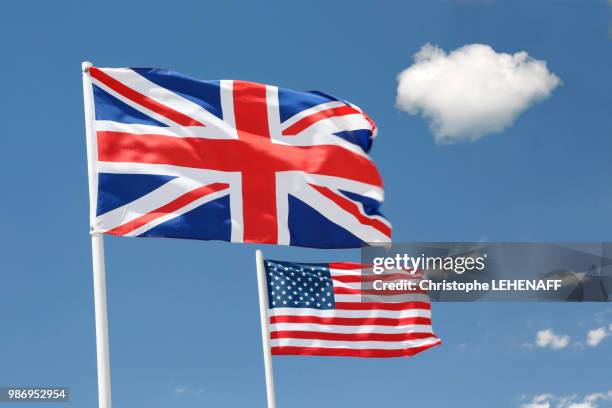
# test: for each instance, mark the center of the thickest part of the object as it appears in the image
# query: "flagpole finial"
(85, 65)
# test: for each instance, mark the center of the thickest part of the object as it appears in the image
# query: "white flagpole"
(97, 249)
(104, 387)
(265, 327)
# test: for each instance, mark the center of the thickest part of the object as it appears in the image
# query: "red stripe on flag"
(346, 352)
(372, 278)
(259, 181)
(315, 335)
(229, 155)
(172, 206)
(340, 290)
(348, 265)
(309, 120)
(370, 121)
(143, 100)
(382, 305)
(351, 321)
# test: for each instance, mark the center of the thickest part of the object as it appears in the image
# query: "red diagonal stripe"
(172, 206)
(352, 208)
(370, 121)
(143, 100)
(309, 120)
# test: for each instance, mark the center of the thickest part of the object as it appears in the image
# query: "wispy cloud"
(539, 401)
(600, 329)
(180, 390)
(603, 315)
(187, 390)
(471, 91)
(594, 400)
(549, 339)
(596, 336)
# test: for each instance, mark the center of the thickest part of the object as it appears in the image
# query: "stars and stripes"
(231, 160)
(332, 310)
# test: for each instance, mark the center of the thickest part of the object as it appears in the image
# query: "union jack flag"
(230, 160)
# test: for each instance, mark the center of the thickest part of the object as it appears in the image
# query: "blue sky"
(184, 321)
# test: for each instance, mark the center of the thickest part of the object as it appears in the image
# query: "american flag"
(231, 160)
(330, 310)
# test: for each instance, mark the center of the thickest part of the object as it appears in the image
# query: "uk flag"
(230, 160)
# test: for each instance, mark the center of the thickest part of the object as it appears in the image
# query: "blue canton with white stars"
(299, 285)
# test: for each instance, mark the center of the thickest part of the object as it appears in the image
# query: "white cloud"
(593, 400)
(547, 338)
(180, 390)
(539, 401)
(184, 390)
(596, 336)
(471, 91)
